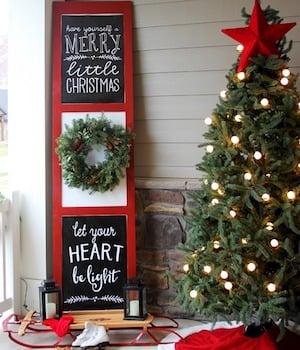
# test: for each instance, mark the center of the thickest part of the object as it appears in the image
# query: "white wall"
(28, 118)
(180, 62)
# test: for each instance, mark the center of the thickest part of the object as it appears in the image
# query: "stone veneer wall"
(160, 227)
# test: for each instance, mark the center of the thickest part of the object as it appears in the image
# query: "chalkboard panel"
(92, 59)
(94, 262)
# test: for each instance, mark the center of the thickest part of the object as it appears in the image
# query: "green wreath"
(83, 136)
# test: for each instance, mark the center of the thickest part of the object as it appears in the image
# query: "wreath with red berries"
(83, 136)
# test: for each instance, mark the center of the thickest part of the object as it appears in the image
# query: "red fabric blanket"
(226, 339)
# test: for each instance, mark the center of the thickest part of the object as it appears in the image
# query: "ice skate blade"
(99, 346)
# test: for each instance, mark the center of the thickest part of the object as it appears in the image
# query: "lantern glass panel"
(51, 302)
(133, 302)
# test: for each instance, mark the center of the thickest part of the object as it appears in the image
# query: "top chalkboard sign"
(92, 59)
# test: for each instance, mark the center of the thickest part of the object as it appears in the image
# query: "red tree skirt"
(234, 338)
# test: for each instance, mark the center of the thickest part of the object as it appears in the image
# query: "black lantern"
(50, 300)
(134, 300)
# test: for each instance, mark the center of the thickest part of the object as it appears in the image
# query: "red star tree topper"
(259, 37)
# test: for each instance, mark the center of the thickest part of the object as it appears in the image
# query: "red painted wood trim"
(58, 211)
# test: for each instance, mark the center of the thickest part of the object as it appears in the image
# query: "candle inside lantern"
(50, 310)
(134, 308)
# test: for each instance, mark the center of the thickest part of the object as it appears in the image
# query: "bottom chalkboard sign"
(94, 262)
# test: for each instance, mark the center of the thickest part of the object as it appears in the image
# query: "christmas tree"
(242, 252)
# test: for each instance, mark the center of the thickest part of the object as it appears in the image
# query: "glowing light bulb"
(223, 95)
(291, 195)
(241, 76)
(238, 118)
(298, 166)
(257, 155)
(264, 102)
(269, 226)
(214, 201)
(266, 197)
(271, 287)
(232, 213)
(186, 267)
(239, 48)
(274, 243)
(209, 149)
(216, 245)
(193, 294)
(224, 275)
(221, 191)
(251, 267)
(235, 140)
(194, 255)
(207, 269)
(228, 285)
(214, 186)
(286, 72)
(208, 121)
(244, 240)
(284, 81)
(247, 176)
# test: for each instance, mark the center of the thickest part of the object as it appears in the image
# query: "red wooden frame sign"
(92, 74)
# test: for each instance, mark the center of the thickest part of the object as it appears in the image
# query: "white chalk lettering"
(88, 70)
(101, 252)
(98, 280)
(77, 278)
(102, 232)
(90, 42)
(79, 231)
(92, 85)
(95, 279)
